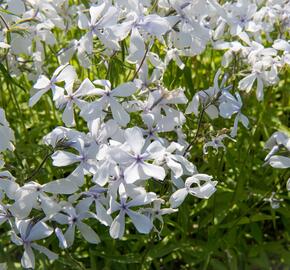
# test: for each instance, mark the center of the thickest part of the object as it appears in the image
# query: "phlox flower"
(74, 97)
(64, 73)
(95, 195)
(86, 159)
(73, 217)
(28, 233)
(32, 194)
(274, 202)
(264, 70)
(161, 103)
(8, 184)
(109, 97)
(231, 105)
(102, 16)
(283, 45)
(135, 157)
(208, 99)
(216, 143)
(157, 213)
(78, 46)
(198, 185)
(176, 162)
(5, 215)
(141, 222)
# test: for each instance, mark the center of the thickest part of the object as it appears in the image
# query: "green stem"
(39, 167)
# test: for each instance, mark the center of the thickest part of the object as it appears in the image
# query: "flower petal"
(36, 97)
(119, 113)
(28, 259)
(64, 158)
(61, 186)
(70, 235)
(117, 228)
(50, 255)
(39, 231)
(68, 115)
(152, 170)
(88, 233)
(132, 173)
(141, 222)
(178, 197)
(279, 162)
(42, 83)
(134, 138)
(124, 90)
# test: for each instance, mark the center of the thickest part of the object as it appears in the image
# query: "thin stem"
(141, 64)
(189, 147)
(204, 107)
(5, 23)
(7, 28)
(78, 264)
(39, 167)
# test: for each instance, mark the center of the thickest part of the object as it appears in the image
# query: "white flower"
(160, 105)
(153, 24)
(145, 79)
(86, 89)
(101, 131)
(78, 46)
(64, 73)
(247, 84)
(32, 194)
(283, 45)
(141, 222)
(241, 16)
(277, 141)
(134, 157)
(174, 54)
(232, 48)
(5, 215)
(86, 159)
(62, 136)
(203, 188)
(137, 47)
(103, 16)
(208, 99)
(8, 184)
(263, 68)
(232, 105)
(73, 217)
(117, 183)
(274, 202)
(96, 195)
(216, 143)
(157, 212)
(30, 232)
(177, 163)
(109, 97)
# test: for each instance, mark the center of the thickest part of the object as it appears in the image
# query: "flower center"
(139, 159)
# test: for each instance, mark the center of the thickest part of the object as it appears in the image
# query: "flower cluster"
(116, 159)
